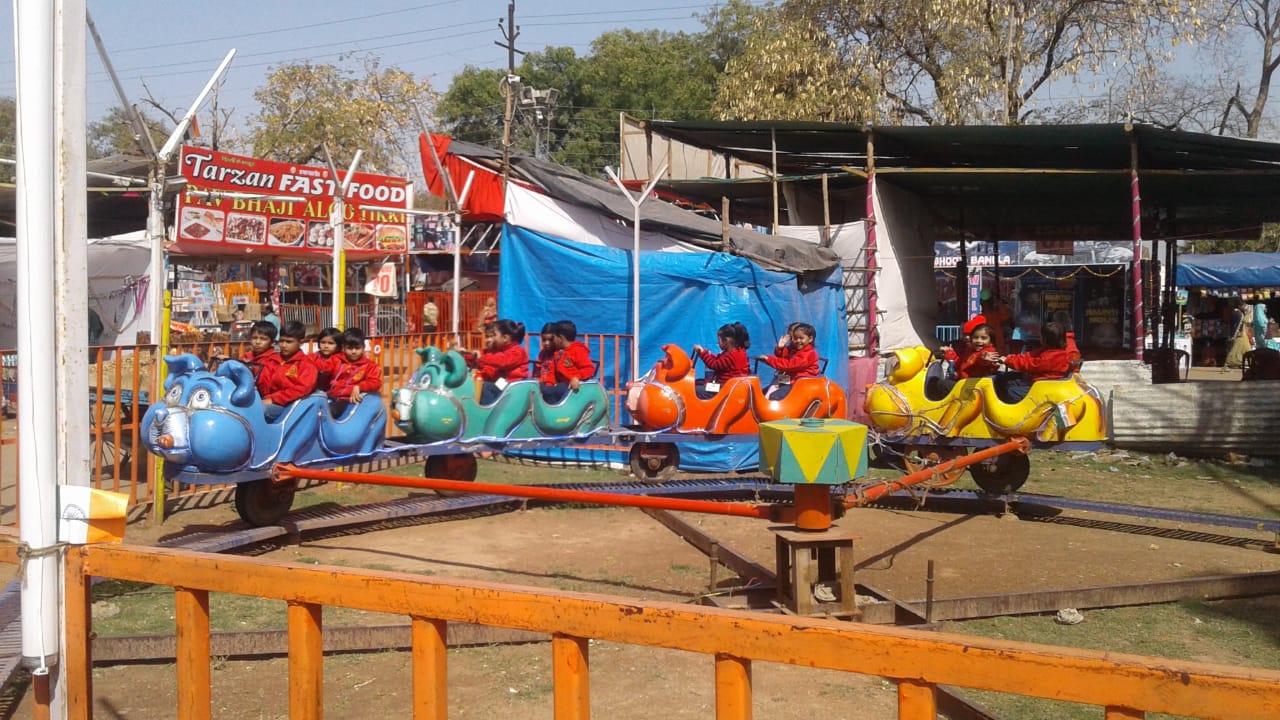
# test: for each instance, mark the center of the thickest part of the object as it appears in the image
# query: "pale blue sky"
(175, 46)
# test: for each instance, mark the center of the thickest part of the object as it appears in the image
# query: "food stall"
(249, 229)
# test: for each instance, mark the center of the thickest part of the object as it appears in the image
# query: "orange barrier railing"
(471, 304)
(1125, 686)
(122, 381)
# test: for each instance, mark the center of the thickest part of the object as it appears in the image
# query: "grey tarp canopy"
(565, 184)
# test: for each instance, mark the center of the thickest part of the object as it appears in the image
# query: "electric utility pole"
(510, 32)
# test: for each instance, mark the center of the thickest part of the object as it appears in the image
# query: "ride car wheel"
(462, 467)
(654, 462)
(1003, 474)
(921, 457)
(264, 502)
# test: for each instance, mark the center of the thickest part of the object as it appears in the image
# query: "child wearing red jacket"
(545, 365)
(795, 354)
(355, 377)
(503, 360)
(1051, 361)
(293, 378)
(732, 361)
(328, 357)
(979, 358)
(262, 358)
(572, 363)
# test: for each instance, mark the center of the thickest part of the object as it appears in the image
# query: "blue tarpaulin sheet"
(1241, 269)
(684, 299)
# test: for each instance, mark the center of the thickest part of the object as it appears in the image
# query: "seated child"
(731, 361)
(794, 358)
(293, 378)
(503, 360)
(328, 357)
(545, 366)
(262, 357)
(1051, 361)
(572, 363)
(356, 376)
(975, 356)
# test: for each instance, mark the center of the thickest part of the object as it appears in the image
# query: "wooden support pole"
(430, 669)
(826, 213)
(733, 688)
(191, 613)
(306, 662)
(77, 669)
(773, 174)
(571, 677)
(724, 220)
(916, 701)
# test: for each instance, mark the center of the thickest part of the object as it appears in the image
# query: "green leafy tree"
(114, 134)
(305, 106)
(963, 60)
(472, 109)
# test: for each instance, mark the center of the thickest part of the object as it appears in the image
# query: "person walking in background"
(430, 317)
(1258, 319)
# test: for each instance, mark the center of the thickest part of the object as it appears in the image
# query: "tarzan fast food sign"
(293, 214)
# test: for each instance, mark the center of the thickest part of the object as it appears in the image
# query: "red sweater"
(728, 364)
(510, 363)
(326, 367)
(1043, 363)
(363, 373)
(971, 364)
(262, 365)
(574, 362)
(798, 363)
(293, 378)
(546, 366)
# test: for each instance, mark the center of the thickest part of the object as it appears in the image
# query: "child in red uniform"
(504, 358)
(545, 365)
(794, 358)
(572, 363)
(328, 357)
(980, 358)
(262, 357)
(293, 378)
(355, 377)
(732, 360)
(1051, 361)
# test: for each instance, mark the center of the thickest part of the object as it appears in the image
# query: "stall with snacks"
(250, 231)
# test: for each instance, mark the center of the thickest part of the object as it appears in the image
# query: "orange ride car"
(667, 398)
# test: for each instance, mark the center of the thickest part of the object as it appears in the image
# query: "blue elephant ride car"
(210, 429)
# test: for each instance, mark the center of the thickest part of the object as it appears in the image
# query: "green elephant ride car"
(442, 404)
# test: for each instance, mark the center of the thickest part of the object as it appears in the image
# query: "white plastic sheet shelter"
(118, 287)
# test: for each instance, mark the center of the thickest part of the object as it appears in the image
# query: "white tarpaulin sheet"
(544, 214)
(117, 288)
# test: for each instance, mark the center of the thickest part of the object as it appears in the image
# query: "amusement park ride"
(210, 428)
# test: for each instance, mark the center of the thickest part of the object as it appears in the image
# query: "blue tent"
(1242, 269)
(684, 299)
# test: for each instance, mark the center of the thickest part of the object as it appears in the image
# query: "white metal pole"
(457, 257)
(49, 40)
(635, 259)
(181, 130)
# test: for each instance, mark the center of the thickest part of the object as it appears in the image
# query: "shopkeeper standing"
(269, 315)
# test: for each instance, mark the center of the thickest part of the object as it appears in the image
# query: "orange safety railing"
(121, 382)
(1125, 686)
(472, 304)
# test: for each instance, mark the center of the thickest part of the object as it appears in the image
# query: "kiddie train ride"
(210, 428)
(918, 418)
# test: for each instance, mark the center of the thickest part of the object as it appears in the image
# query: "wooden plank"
(78, 658)
(1157, 591)
(571, 677)
(195, 675)
(744, 566)
(1074, 675)
(275, 643)
(306, 661)
(733, 688)
(430, 669)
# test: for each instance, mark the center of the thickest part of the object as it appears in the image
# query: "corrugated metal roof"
(1198, 418)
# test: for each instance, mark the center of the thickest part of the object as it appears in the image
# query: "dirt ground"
(624, 552)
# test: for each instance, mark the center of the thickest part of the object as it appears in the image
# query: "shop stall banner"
(372, 205)
(982, 253)
(684, 299)
(383, 284)
(975, 291)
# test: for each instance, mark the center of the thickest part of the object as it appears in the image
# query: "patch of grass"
(687, 569)
(1232, 632)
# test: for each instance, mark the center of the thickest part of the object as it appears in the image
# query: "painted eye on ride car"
(200, 400)
(174, 396)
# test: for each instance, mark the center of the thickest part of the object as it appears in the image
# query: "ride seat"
(933, 381)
